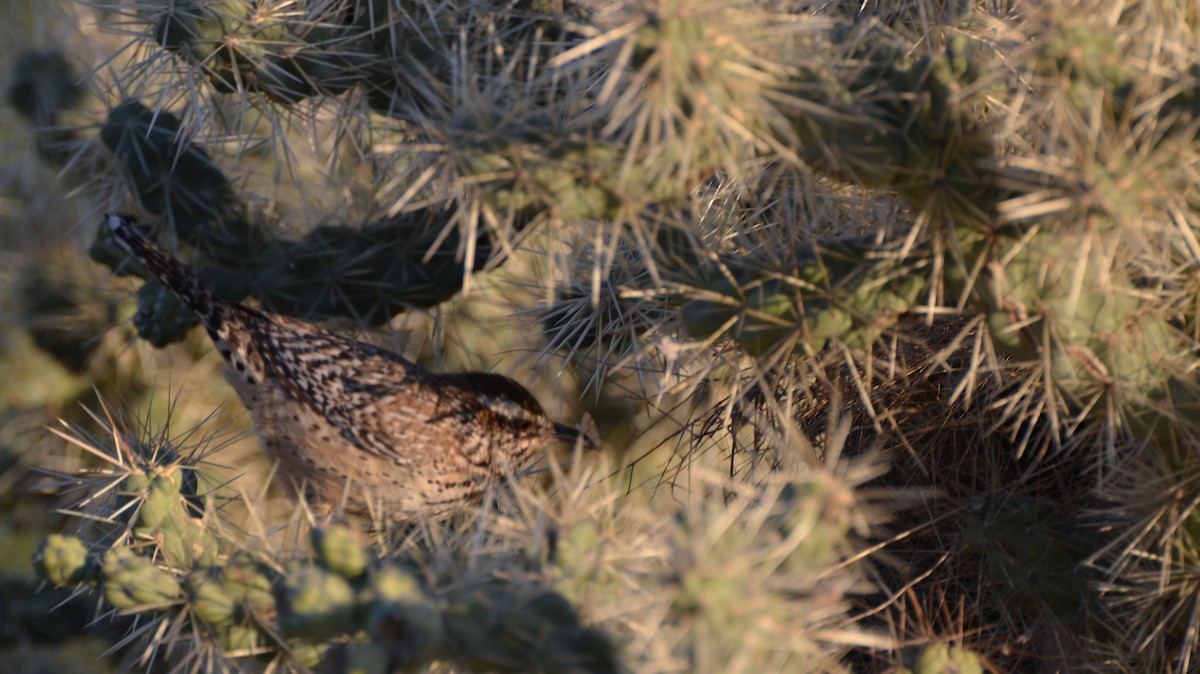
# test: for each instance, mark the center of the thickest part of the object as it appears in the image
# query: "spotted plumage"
(349, 423)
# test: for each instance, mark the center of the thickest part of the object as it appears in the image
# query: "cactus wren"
(349, 422)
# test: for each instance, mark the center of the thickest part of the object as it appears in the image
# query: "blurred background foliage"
(886, 312)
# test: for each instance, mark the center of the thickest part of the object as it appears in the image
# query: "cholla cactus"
(546, 586)
(960, 236)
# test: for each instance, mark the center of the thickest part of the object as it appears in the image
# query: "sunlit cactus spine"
(1150, 572)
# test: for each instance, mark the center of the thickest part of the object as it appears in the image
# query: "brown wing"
(348, 383)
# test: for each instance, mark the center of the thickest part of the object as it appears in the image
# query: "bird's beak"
(571, 435)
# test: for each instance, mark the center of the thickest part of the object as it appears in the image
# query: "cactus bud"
(307, 654)
(238, 640)
(317, 604)
(339, 551)
(942, 659)
(132, 580)
(249, 583)
(210, 601)
(162, 499)
(61, 560)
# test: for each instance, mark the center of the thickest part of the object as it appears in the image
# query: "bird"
(354, 428)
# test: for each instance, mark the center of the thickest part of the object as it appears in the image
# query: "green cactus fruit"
(808, 507)
(316, 604)
(210, 601)
(1088, 56)
(239, 640)
(339, 550)
(943, 659)
(135, 484)
(199, 26)
(164, 517)
(249, 582)
(132, 488)
(401, 616)
(162, 498)
(62, 560)
(253, 56)
(132, 580)
(307, 654)
(184, 541)
(1141, 363)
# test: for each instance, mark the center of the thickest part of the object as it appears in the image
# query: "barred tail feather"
(169, 271)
